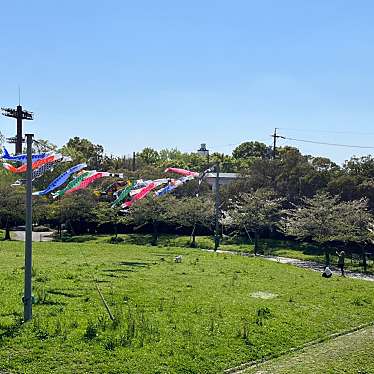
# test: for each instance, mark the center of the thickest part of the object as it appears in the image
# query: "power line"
(275, 136)
(331, 144)
(326, 131)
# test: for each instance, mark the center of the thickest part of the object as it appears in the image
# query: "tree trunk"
(7, 234)
(193, 243)
(255, 249)
(7, 231)
(327, 256)
(193, 237)
(72, 231)
(364, 262)
(154, 234)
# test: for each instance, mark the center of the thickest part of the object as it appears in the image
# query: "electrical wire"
(326, 131)
(330, 144)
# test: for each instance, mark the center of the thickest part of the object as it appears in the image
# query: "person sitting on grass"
(341, 257)
(327, 273)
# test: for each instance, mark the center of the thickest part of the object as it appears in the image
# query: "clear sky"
(167, 73)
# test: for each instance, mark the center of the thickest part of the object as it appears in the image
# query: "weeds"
(262, 314)
(91, 331)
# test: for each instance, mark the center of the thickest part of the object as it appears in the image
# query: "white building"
(224, 178)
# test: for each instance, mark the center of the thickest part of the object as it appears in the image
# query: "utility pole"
(275, 136)
(27, 298)
(133, 161)
(20, 115)
(217, 209)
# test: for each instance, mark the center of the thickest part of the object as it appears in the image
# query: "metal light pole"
(20, 115)
(217, 209)
(27, 300)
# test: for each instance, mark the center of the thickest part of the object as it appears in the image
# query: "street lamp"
(203, 151)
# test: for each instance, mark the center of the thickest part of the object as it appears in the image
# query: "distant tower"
(19, 114)
(203, 151)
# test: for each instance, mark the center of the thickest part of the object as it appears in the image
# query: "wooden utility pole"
(275, 136)
(133, 161)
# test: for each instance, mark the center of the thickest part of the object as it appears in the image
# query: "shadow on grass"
(49, 302)
(132, 263)
(11, 330)
(62, 293)
(119, 270)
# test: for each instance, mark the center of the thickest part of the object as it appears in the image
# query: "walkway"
(349, 353)
(310, 265)
(36, 236)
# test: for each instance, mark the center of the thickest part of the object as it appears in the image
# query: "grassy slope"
(194, 317)
(352, 353)
(284, 248)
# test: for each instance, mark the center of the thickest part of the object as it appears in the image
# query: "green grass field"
(199, 316)
(351, 353)
(283, 248)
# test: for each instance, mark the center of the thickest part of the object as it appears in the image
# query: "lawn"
(203, 315)
(267, 247)
(351, 353)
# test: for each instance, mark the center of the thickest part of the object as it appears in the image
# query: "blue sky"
(131, 74)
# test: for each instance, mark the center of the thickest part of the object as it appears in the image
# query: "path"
(36, 236)
(310, 265)
(350, 353)
(318, 267)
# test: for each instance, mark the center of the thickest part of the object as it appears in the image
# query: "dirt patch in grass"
(264, 295)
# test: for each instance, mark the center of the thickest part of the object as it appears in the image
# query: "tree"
(12, 207)
(356, 224)
(149, 156)
(106, 217)
(154, 211)
(76, 211)
(344, 185)
(82, 150)
(324, 219)
(362, 167)
(255, 212)
(251, 149)
(42, 145)
(194, 213)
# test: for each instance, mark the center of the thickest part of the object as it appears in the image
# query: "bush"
(115, 240)
(75, 239)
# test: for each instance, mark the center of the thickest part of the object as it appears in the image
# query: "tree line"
(293, 195)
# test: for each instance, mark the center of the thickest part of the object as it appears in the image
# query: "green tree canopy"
(76, 211)
(12, 207)
(148, 156)
(194, 213)
(154, 211)
(324, 219)
(251, 149)
(255, 212)
(82, 150)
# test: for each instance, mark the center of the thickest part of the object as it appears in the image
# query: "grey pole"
(27, 301)
(217, 209)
